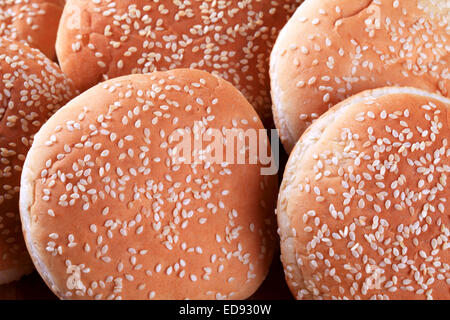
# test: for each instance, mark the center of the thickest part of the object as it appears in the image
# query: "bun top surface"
(31, 90)
(100, 40)
(363, 209)
(147, 225)
(32, 21)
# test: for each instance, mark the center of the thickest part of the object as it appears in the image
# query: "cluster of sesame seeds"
(232, 39)
(389, 46)
(146, 223)
(377, 226)
(31, 89)
(20, 20)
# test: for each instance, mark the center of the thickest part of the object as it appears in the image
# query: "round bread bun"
(99, 40)
(109, 212)
(32, 21)
(332, 49)
(32, 88)
(363, 207)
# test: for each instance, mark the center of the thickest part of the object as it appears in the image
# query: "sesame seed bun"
(362, 210)
(32, 21)
(132, 222)
(32, 88)
(332, 49)
(99, 40)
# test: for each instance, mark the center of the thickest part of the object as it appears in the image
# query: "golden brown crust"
(136, 224)
(332, 49)
(105, 39)
(32, 21)
(364, 198)
(32, 88)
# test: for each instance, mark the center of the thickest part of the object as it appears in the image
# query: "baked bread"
(113, 209)
(99, 40)
(363, 206)
(332, 49)
(32, 21)
(32, 88)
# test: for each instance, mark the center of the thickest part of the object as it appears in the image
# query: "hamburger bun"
(100, 40)
(109, 211)
(363, 207)
(32, 21)
(332, 49)
(32, 88)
